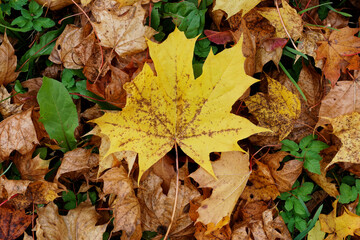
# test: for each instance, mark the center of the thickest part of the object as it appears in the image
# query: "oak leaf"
(8, 61)
(79, 223)
(278, 110)
(339, 227)
(172, 107)
(232, 172)
(337, 51)
(347, 129)
(231, 7)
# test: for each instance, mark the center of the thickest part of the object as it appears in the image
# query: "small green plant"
(349, 191)
(31, 18)
(307, 150)
(71, 200)
(296, 214)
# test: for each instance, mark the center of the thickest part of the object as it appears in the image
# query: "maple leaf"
(347, 128)
(7, 62)
(339, 227)
(231, 7)
(232, 171)
(174, 107)
(341, 45)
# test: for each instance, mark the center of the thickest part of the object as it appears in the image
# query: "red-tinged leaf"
(219, 37)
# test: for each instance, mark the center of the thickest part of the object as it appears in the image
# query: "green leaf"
(202, 47)
(289, 204)
(289, 146)
(299, 208)
(42, 22)
(70, 205)
(312, 162)
(26, 14)
(347, 193)
(306, 141)
(58, 113)
(19, 21)
(317, 146)
(35, 9)
(300, 223)
(67, 78)
(17, 4)
(68, 196)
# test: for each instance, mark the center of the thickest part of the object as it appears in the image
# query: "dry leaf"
(17, 133)
(196, 114)
(347, 128)
(31, 168)
(8, 61)
(28, 99)
(126, 205)
(156, 207)
(342, 99)
(232, 172)
(291, 19)
(124, 31)
(78, 224)
(308, 45)
(278, 110)
(13, 223)
(339, 227)
(55, 4)
(262, 57)
(286, 177)
(232, 7)
(336, 51)
(6, 107)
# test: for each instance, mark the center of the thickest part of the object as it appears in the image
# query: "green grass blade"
(310, 8)
(292, 80)
(311, 224)
(296, 52)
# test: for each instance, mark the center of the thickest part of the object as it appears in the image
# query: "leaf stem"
(176, 192)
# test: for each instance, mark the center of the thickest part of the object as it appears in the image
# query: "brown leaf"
(6, 107)
(28, 99)
(156, 207)
(8, 61)
(286, 177)
(126, 205)
(13, 223)
(13, 187)
(261, 185)
(223, 233)
(78, 162)
(55, 4)
(262, 57)
(78, 224)
(17, 133)
(31, 168)
(308, 44)
(164, 168)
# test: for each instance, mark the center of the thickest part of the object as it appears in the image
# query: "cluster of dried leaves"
(134, 174)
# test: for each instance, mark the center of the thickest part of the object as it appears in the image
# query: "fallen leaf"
(13, 223)
(336, 51)
(308, 45)
(6, 107)
(341, 100)
(286, 177)
(278, 110)
(262, 57)
(17, 133)
(28, 99)
(126, 205)
(163, 109)
(339, 227)
(79, 223)
(201, 233)
(124, 31)
(31, 168)
(261, 185)
(346, 128)
(8, 61)
(316, 233)
(157, 207)
(291, 20)
(232, 172)
(232, 7)
(164, 168)
(55, 4)
(219, 37)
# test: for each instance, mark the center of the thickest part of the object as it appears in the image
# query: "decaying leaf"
(157, 207)
(17, 133)
(31, 168)
(6, 107)
(173, 106)
(278, 110)
(339, 227)
(342, 99)
(232, 172)
(79, 223)
(291, 19)
(122, 30)
(232, 7)
(126, 205)
(347, 128)
(8, 61)
(13, 223)
(55, 4)
(308, 45)
(337, 51)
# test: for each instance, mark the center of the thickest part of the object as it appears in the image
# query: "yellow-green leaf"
(172, 106)
(231, 7)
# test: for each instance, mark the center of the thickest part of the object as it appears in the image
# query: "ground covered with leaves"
(192, 119)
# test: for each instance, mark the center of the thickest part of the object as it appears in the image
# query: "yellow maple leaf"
(339, 227)
(172, 107)
(347, 128)
(278, 110)
(291, 19)
(232, 171)
(231, 7)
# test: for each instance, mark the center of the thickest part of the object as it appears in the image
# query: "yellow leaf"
(174, 107)
(347, 128)
(231, 7)
(277, 111)
(291, 19)
(232, 171)
(316, 233)
(339, 227)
